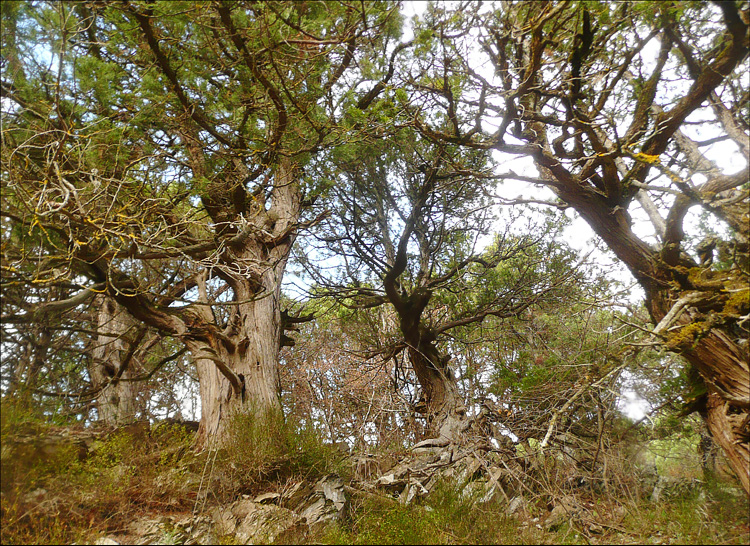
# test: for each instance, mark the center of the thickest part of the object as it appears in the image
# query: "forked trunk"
(708, 339)
(236, 351)
(238, 367)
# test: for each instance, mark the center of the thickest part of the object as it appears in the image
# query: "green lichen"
(738, 303)
(708, 279)
(687, 336)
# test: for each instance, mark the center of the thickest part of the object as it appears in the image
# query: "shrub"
(55, 490)
(446, 516)
(263, 447)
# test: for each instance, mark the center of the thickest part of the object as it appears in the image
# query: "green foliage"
(714, 514)
(446, 516)
(263, 447)
(119, 142)
(673, 447)
(17, 412)
(385, 521)
(55, 490)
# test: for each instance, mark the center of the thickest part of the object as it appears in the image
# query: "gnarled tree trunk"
(238, 366)
(252, 359)
(690, 314)
(237, 359)
(724, 366)
(112, 365)
(568, 124)
(441, 402)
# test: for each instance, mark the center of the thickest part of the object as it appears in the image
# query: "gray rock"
(251, 522)
(516, 504)
(293, 495)
(265, 523)
(390, 481)
(173, 530)
(328, 501)
(412, 490)
(267, 498)
(565, 509)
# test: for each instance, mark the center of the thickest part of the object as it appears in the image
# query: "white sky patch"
(632, 405)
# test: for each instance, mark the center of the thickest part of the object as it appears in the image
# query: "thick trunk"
(443, 406)
(236, 357)
(117, 402)
(724, 366)
(239, 369)
(255, 363)
(446, 413)
(702, 338)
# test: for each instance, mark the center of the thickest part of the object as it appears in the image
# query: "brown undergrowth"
(69, 484)
(62, 483)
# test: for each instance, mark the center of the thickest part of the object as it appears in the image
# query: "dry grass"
(60, 496)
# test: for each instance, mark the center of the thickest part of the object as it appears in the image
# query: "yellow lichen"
(687, 335)
(738, 302)
(646, 158)
(704, 278)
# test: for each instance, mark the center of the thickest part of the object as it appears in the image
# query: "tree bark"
(237, 361)
(238, 368)
(717, 354)
(729, 429)
(254, 361)
(707, 316)
(724, 366)
(441, 402)
(117, 400)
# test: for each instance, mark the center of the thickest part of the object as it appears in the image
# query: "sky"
(578, 234)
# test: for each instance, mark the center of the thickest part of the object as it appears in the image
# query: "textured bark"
(443, 405)
(710, 341)
(441, 401)
(724, 366)
(238, 367)
(717, 354)
(729, 429)
(237, 362)
(719, 357)
(254, 361)
(117, 402)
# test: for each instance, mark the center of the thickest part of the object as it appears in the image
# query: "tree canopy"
(161, 160)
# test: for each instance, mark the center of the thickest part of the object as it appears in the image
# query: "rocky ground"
(299, 510)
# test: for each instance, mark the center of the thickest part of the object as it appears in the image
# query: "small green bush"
(446, 516)
(388, 522)
(262, 447)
